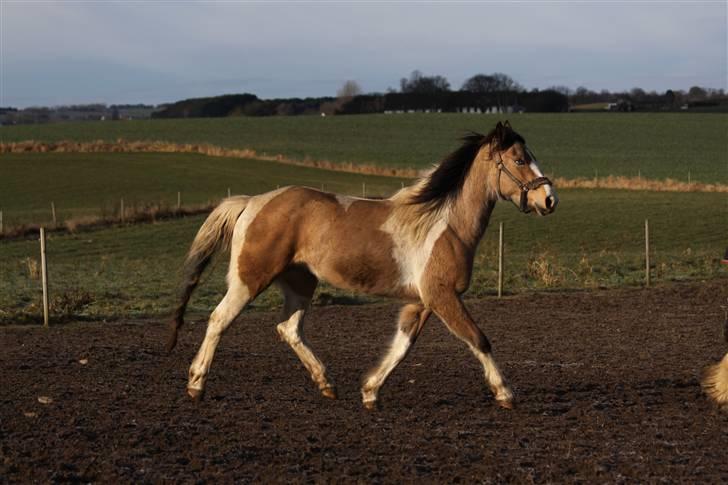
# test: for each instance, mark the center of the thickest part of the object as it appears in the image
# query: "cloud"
(165, 49)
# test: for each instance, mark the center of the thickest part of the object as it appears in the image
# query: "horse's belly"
(362, 269)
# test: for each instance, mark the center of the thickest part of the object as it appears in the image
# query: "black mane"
(447, 180)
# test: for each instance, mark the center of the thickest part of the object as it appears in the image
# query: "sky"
(72, 52)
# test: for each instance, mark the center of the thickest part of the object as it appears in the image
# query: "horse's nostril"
(549, 201)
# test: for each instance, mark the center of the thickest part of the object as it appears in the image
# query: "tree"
(696, 92)
(565, 90)
(418, 83)
(638, 94)
(349, 90)
(490, 83)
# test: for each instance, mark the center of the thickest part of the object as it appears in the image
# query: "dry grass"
(123, 146)
(133, 215)
(638, 183)
(33, 268)
(543, 270)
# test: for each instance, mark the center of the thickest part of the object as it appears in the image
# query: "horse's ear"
(500, 133)
(507, 124)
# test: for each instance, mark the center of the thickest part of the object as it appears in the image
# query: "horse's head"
(518, 176)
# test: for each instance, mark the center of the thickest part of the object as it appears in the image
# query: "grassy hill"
(81, 184)
(570, 145)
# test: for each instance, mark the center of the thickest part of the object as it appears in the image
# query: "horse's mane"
(444, 183)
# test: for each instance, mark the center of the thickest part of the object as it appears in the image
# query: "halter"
(524, 186)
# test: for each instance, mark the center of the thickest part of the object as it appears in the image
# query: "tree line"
(496, 92)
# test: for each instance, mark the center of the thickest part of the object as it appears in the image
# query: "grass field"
(593, 240)
(82, 184)
(570, 145)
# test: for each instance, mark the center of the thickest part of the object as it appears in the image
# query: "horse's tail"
(215, 235)
(715, 382)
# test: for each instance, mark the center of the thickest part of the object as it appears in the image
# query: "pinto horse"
(417, 246)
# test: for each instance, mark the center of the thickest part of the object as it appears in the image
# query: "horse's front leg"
(449, 307)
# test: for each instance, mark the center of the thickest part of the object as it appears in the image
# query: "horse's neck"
(470, 212)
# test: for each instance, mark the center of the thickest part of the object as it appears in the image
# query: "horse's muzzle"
(549, 205)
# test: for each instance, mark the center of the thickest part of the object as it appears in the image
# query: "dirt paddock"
(606, 382)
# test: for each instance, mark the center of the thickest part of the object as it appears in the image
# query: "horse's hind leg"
(453, 313)
(411, 320)
(298, 287)
(232, 304)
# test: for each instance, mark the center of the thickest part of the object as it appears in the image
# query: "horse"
(715, 377)
(417, 246)
(715, 383)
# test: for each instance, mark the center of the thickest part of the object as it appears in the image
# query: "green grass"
(657, 145)
(593, 240)
(93, 183)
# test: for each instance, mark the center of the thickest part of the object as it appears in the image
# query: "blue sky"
(126, 52)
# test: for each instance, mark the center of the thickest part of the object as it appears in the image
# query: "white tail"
(214, 235)
(715, 382)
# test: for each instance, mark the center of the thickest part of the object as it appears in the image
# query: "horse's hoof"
(506, 404)
(195, 394)
(371, 405)
(329, 392)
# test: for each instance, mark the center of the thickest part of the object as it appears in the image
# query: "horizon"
(133, 53)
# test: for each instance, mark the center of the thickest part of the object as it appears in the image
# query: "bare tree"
(490, 83)
(419, 83)
(349, 90)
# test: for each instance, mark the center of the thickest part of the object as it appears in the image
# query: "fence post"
(363, 189)
(229, 192)
(44, 274)
(121, 210)
(179, 199)
(647, 252)
(500, 260)
(688, 177)
(53, 213)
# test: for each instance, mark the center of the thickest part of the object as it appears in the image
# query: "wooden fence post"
(647, 252)
(53, 213)
(500, 260)
(363, 189)
(229, 193)
(179, 200)
(44, 274)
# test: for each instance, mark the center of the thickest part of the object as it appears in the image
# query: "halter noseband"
(524, 186)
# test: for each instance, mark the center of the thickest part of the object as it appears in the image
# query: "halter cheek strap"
(523, 186)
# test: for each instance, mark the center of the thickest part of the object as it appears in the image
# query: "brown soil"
(607, 386)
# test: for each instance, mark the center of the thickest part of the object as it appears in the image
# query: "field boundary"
(133, 216)
(125, 146)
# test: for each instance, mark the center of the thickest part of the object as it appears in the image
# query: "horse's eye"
(520, 162)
